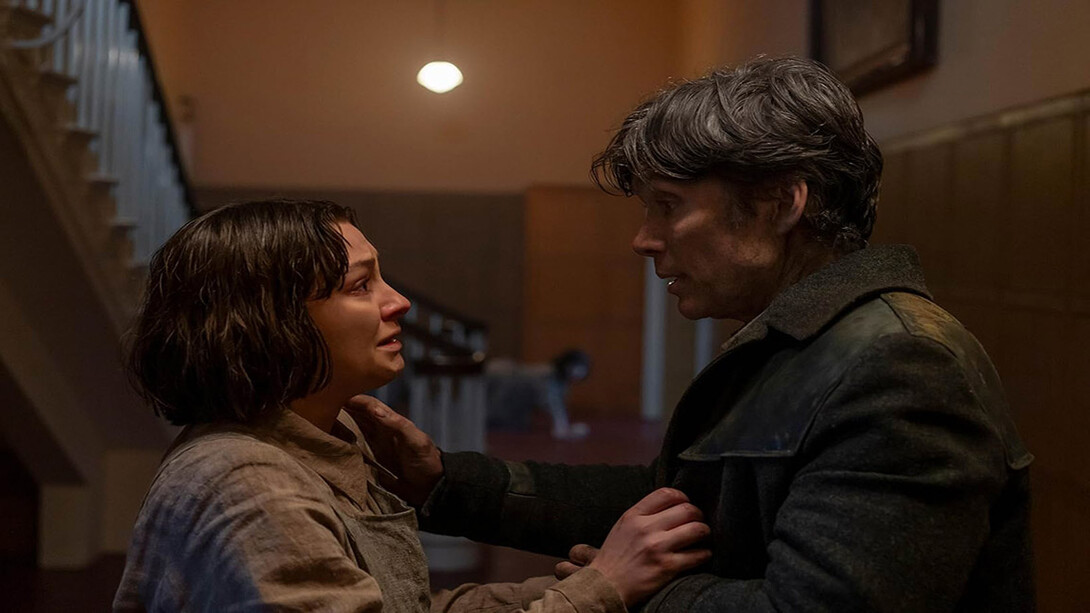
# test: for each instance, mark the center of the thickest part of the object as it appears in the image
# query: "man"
(851, 447)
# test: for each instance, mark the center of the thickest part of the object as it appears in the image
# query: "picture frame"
(872, 43)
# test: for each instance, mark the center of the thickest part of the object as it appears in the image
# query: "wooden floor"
(29, 590)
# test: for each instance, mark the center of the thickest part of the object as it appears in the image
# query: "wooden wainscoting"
(583, 288)
(998, 209)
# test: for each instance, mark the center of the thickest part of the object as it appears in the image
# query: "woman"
(260, 321)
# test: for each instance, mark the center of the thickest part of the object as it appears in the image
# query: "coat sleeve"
(585, 591)
(889, 507)
(545, 508)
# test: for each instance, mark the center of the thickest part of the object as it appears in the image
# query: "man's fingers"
(688, 560)
(677, 515)
(659, 500)
(375, 416)
(371, 410)
(583, 554)
(685, 536)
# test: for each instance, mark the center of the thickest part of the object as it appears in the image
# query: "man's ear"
(790, 206)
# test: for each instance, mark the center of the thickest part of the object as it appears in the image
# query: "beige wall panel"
(1034, 374)
(562, 225)
(1076, 450)
(977, 210)
(1041, 213)
(893, 200)
(927, 212)
(1079, 285)
(584, 288)
(623, 294)
(566, 289)
(1061, 540)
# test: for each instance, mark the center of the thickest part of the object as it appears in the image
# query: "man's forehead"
(661, 186)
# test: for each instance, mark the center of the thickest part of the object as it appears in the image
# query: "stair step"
(54, 87)
(57, 80)
(22, 23)
(103, 180)
(123, 223)
(75, 132)
(77, 148)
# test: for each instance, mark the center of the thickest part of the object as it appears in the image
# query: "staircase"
(90, 185)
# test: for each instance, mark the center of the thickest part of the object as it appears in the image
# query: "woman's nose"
(396, 306)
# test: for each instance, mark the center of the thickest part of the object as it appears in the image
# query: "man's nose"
(645, 242)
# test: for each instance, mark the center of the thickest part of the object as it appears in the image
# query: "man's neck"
(804, 256)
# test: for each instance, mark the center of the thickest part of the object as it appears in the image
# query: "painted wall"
(993, 55)
(323, 94)
(727, 32)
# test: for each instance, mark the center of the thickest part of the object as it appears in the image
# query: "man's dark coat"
(851, 450)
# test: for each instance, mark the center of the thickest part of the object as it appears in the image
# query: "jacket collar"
(805, 308)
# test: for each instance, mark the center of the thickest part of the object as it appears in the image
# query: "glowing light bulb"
(439, 77)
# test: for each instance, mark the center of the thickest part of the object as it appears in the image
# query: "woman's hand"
(400, 447)
(648, 546)
(578, 557)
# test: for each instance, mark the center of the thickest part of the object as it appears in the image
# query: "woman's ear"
(790, 206)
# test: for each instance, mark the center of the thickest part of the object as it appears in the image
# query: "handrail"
(55, 35)
(446, 366)
(423, 300)
(434, 341)
(136, 22)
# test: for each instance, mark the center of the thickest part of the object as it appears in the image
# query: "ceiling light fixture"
(440, 76)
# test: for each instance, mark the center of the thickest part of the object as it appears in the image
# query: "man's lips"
(670, 278)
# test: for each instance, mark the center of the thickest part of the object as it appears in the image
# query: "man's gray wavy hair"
(761, 126)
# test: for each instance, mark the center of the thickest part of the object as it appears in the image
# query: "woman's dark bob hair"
(762, 126)
(223, 333)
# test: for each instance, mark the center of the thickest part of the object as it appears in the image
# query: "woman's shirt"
(281, 515)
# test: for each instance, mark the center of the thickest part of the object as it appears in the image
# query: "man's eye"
(361, 285)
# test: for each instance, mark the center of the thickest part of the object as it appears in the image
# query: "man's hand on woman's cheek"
(399, 446)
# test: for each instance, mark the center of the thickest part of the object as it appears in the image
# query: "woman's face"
(359, 322)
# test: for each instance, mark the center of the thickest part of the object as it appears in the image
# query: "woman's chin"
(386, 377)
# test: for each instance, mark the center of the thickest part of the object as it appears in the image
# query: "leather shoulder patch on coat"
(772, 415)
(921, 317)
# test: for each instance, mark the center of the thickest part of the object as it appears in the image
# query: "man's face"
(721, 262)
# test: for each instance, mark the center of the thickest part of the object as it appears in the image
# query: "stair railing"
(443, 387)
(99, 48)
(443, 390)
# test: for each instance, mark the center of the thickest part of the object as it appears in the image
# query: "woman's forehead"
(358, 245)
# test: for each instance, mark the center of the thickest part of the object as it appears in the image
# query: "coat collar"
(805, 308)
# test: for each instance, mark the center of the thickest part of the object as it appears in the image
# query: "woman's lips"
(392, 344)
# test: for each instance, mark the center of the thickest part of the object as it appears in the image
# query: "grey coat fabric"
(851, 449)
